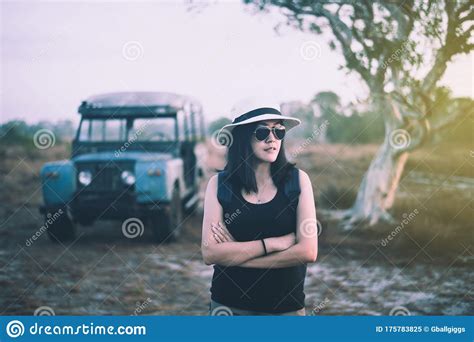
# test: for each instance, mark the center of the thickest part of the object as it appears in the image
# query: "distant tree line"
(356, 123)
(18, 132)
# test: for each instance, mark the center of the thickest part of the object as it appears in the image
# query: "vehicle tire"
(60, 230)
(166, 224)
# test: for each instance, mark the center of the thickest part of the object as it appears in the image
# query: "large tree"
(400, 50)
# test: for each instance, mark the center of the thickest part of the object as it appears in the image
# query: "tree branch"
(340, 30)
(453, 44)
(458, 109)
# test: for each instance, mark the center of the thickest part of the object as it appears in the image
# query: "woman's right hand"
(221, 233)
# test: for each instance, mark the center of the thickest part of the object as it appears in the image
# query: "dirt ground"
(104, 273)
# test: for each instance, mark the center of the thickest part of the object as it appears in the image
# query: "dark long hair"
(240, 157)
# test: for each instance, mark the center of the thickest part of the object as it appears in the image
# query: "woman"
(257, 240)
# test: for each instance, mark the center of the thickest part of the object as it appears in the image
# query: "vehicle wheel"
(166, 224)
(61, 229)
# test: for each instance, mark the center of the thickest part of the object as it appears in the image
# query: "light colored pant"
(217, 309)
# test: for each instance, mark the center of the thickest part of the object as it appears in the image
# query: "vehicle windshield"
(141, 129)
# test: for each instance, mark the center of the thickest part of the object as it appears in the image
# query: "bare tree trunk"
(379, 185)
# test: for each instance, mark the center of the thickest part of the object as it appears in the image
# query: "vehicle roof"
(140, 103)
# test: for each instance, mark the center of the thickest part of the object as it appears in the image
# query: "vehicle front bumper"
(96, 206)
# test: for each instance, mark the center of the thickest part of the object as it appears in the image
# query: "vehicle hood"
(123, 156)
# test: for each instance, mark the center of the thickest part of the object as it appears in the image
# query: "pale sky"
(55, 54)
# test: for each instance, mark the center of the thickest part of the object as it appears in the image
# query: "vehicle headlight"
(128, 177)
(85, 177)
(154, 172)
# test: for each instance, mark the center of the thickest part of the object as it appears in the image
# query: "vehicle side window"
(114, 130)
(84, 130)
(161, 129)
(102, 130)
(97, 130)
(181, 126)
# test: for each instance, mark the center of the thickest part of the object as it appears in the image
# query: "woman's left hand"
(220, 233)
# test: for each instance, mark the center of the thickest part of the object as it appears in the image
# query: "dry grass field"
(425, 269)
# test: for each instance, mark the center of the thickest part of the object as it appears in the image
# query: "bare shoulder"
(212, 185)
(304, 179)
(211, 202)
(306, 194)
(213, 180)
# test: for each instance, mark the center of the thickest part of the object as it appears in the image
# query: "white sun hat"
(252, 110)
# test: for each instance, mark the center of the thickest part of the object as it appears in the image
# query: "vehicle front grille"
(105, 175)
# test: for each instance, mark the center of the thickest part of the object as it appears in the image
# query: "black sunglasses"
(262, 133)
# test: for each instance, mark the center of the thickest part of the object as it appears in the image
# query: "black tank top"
(267, 290)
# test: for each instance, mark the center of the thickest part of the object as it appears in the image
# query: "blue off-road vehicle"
(135, 159)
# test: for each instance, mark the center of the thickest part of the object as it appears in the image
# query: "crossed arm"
(219, 247)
